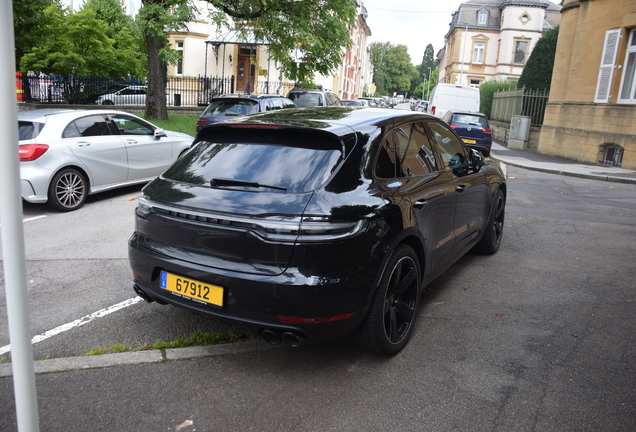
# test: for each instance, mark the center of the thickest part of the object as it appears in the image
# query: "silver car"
(66, 155)
(131, 95)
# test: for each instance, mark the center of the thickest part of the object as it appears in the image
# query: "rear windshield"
(469, 119)
(28, 130)
(231, 108)
(304, 100)
(288, 169)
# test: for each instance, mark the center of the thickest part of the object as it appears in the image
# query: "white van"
(453, 97)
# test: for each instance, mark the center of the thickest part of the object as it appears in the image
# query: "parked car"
(353, 103)
(451, 97)
(311, 98)
(421, 106)
(472, 128)
(229, 106)
(66, 155)
(130, 95)
(316, 222)
(370, 101)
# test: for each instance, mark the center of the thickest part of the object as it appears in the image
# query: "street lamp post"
(461, 71)
(429, 83)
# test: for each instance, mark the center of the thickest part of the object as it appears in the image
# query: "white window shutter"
(608, 61)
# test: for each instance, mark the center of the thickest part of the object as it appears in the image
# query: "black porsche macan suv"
(316, 222)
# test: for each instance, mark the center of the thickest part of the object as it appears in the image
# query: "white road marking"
(33, 218)
(79, 322)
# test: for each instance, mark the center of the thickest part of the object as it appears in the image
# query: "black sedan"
(316, 222)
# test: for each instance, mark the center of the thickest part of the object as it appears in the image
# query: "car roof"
(234, 96)
(465, 112)
(62, 114)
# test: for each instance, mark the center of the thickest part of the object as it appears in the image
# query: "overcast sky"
(414, 23)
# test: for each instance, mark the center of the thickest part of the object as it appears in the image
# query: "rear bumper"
(256, 301)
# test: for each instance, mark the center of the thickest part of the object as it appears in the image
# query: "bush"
(488, 89)
(537, 74)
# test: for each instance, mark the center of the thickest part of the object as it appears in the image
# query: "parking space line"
(79, 322)
(33, 218)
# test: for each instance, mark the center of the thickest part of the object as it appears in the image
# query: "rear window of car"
(28, 130)
(470, 119)
(306, 99)
(296, 168)
(231, 108)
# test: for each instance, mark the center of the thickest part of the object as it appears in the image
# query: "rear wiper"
(231, 182)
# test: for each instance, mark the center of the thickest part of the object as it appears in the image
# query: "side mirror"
(160, 133)
(476, 160)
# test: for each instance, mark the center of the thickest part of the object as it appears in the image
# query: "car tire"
(68, 190)
(490, 242)
(391, 317)
(107, 102)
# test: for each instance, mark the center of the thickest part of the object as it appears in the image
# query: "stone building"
(492, 39)
(591, 113)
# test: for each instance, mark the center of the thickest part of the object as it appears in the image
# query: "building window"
(627, 94)
(482, 17)
(521, 50)
(611, 155)
(478, 52)
(179, 50)
(475, 83)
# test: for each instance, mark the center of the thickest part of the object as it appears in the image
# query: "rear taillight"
(454, 126)
(202, 122)
(432, 110)
(30, 152)
(486, 130)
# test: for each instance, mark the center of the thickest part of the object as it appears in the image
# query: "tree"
(30, 25)
(537, 74)
(317, 29)
(428, 65)
(424, 89)
(392, 68)
(488, 89)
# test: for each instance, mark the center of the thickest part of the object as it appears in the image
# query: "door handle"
(131, 142)
(420, 204)
(461, 188)
(83, 144)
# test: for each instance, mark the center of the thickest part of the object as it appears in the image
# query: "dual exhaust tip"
(292, 339)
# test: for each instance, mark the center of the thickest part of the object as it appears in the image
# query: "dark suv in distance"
(316, 222)
(312, 98)
(473, 128)
(228, 106)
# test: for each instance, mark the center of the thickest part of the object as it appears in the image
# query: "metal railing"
(180, 91)
(524, 102)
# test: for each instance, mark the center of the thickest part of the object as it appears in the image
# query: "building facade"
(492, 39)
(591, 113)
(207, 51)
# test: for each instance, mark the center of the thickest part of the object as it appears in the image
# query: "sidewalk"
(551, 164)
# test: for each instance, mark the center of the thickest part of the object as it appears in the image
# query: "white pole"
(13, 236)
(463, 48)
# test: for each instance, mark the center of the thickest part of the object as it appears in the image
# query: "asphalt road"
(537, 337)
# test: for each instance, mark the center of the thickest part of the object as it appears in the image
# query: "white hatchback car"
(66, 155)
(131, 95)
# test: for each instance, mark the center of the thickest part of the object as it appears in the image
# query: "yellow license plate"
(469, 141)
(192, 289)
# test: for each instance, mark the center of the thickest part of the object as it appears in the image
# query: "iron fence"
(524, 102)
(180, 91)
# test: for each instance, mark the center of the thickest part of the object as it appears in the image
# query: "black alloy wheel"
(68, 190)
(490, 242)
(107, 102)
(393, 311)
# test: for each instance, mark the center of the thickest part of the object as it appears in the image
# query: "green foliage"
(77, 45)
(392, 68)
(537, 73)
(427, 66)
(424, 90)
(304, 36)
(488, 89)
(30, 25)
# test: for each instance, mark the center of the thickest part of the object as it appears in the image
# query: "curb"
(139, 357)
(601, 177)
